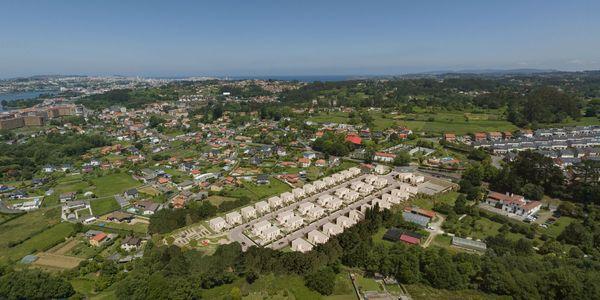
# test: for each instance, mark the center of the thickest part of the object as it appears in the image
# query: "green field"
(137, 227)
(427, 203)
(103, 206)
(440, 122)
(113, 184)
(557, 228)
(423, 292)
(266, 287)
(257, 192)
(217, 200)
(27, 225)
(39, 242)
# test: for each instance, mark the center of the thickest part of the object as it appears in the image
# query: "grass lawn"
(113, 184)
(555, 229)
(424, 202)
(266, 287)
(217, 200)
(367, 284)
(27, 225)
(137, 227)
(39, 242)
(103, 206)
(257, 192)
(83, 286)
(420, 291)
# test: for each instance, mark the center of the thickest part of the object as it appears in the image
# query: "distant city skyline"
(308, 38)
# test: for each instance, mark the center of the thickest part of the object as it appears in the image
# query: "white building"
(352, 196)
(315, 212)
(356, 185)
(301, 245)
(347, 174)
(366, 189)
(319, 185)
(270, 233)
(383, 204)
(309, 189)
(337, 177)
(331, 229)
(287, 197)
(355, 215)
(381, 169)
(275, 202)
(355, 171)
(262, 207)
(344, 221)
(217, 224)
(249, 212)
(259, 227)
(294, 222)
(364, 207)
(334, 204)
(370, 178)
(328, 181)
(233, 218)
(282, 217)
(380, 182)
(303, 208)
(317, 237)
(324, 199)
(341, 192)
(298, 193)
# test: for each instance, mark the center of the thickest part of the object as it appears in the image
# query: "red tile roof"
(354, 139)
(410, 239)
(99, 237)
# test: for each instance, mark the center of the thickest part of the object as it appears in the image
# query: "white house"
(317, 237)
(249, 212)
(233, 218)
(275, 202)
(282, 217)
(328, 181)
(324, 199)
(294, 222)
(352, 196)
(335, 203)
(303, 208)
(370, 178)
(347, 174)
(341, 192)
(383, 204)
(417, 179)
(309, 188)
(319, 185)
(259, 227)
(287, 197)
(364, 207)
(355, 215)
(298, 193)
(355, 171)
(315, 212)
(270, 233)
(262, 207)
(331, 229)
(356, 185)
(366, 189)
(301, 245)
(380, 182)
(413, 190)
(512, 203)
(405, 177)
(344, 221)
(217, 224)
(337, 177)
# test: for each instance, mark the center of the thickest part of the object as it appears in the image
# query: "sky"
(261, 38)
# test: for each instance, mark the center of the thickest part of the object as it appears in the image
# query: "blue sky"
(182, 38)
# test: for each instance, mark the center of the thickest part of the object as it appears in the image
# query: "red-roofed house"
(354, 139)
(98, 239)
(304, 162)
(479, 136)
(512, 203)
(383, 156)
(410, 239)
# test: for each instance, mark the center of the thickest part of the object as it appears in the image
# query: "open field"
(423, 202)
(38, 242)
(257, 192)
(138, 227)
(104, 206)
(57, 261)
(113, 184)
(555, 229)
(217, 200)
(27, 225)
(423, 292)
